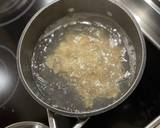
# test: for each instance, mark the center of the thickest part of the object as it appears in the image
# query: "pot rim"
(26, 123)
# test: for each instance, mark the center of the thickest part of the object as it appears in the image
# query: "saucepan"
(54, 100)
(27, 124)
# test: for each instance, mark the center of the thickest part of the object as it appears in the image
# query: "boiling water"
(56, 88)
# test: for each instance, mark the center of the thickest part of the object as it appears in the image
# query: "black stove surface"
(136, 112)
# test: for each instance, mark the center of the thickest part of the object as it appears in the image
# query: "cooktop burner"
(136, 112)
(10, 10)
(8, 74)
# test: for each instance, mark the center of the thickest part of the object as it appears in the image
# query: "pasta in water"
(90, 62)
(83, 62)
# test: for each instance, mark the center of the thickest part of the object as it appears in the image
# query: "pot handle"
(155, 123)
(52, 122)
(81, 122)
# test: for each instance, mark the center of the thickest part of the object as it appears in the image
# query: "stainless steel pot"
(27, 124)
(46, 16)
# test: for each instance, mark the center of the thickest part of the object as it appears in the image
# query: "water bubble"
(45, 49)
(127, 74)
(45, 39)
(50, 41)
(114, 30)
(52, 35)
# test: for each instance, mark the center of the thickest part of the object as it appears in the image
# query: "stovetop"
(136, 112)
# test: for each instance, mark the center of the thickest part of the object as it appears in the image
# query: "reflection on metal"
(8, 75)
(138, 18)
(153, 5)
(147, 14)
(46, 2)
(4, 76)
